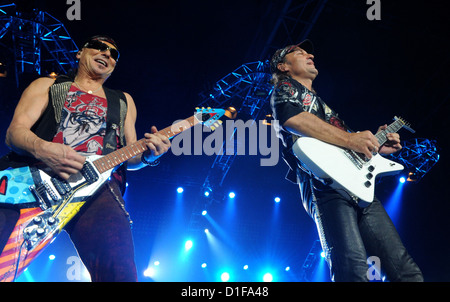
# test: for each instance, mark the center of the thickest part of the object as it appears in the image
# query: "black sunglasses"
(96, 44)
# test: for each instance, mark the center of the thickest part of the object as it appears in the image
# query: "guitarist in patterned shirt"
(349, 234)
(101, 231)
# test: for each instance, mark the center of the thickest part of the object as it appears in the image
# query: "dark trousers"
(350, 234)
(100, 232)
(102, 236)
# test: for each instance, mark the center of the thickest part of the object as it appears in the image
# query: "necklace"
(89, 91)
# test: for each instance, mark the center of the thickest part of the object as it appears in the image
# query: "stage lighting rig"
(39, 42)
(418, 155)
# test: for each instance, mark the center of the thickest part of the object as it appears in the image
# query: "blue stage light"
(277, 199)
(288, 268)
(204, 265)
(188, 245)
(268, 277)
(225, 277)
(204, 212)
(180, 190)
(322, 254)
(206, 231)
(232, 195)
(51, 257)
(150, 272)
(402, 180)
(206, 193)
(245, 267)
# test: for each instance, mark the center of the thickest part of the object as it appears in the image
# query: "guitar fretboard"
(119, 156)
(392, 128)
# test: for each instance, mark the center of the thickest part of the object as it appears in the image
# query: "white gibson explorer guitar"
(47, 203)
(345, 169)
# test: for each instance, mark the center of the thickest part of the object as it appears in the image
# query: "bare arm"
(307, 124)
(157, 144)
(62, 159)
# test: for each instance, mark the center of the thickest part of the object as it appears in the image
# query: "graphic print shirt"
(83, 122)
(290, 98)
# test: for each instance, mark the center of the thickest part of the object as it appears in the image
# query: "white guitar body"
(83, 188)
(342, 168)
(61, 200)
(79, 184)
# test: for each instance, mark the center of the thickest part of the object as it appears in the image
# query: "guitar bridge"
(41, 192)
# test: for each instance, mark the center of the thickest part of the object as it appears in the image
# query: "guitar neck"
(120, 156)
(392, 128)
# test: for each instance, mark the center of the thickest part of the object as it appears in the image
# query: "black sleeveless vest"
(47, 125)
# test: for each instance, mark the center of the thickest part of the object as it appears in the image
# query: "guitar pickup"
(89, 173)
(61, 186)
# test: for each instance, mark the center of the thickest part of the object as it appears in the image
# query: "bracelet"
(151, 164)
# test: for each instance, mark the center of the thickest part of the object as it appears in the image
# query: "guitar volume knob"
(37, 220)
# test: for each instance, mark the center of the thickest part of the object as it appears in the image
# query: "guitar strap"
(113, 120)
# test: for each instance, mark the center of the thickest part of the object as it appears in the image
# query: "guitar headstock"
(405, 124)
(214, 117)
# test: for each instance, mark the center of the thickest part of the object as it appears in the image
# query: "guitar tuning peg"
(220, 122)
(209, 108)
(213, 128)
(196, 108)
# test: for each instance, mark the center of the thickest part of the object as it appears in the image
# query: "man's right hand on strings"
(62, 159)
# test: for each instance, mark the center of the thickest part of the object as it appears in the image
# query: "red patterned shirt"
(83, 122)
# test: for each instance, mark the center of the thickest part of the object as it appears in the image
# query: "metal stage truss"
(293, 25)
(248, 90)
(310, 264)
(418, 155)
(40, 44)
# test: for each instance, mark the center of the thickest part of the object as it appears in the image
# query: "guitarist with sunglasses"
(60, 122)
(349, 234)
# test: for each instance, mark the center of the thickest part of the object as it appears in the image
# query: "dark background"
(369, 71)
